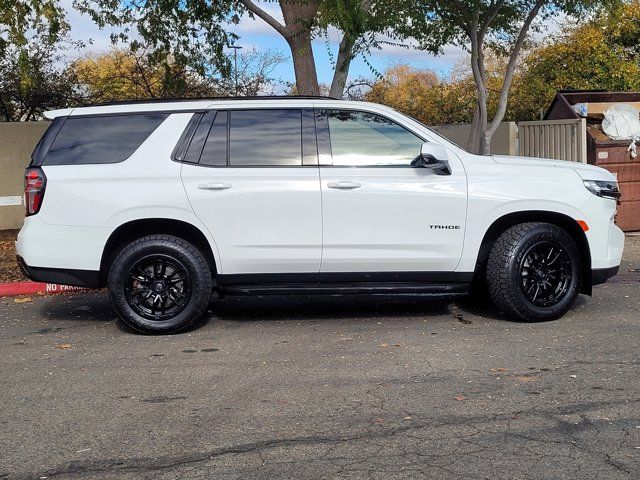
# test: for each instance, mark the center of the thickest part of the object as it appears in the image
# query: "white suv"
(167, 203)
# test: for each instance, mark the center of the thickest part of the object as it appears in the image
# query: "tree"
(359, 21)
(603, 53)
(191, 32)
(421, 94)
(299, 20)
(124, 75)
(19, 17)
(32, 80)
(194, 32)
(502, 26)
(255, 74)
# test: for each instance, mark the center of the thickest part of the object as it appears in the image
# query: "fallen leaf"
(459, 398)
(499, 370)
(63, 346)
(22, 300)
(386, 345)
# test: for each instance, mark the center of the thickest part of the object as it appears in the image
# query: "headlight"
(604, 188)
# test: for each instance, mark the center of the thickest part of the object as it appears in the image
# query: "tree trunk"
(343, 62)
(473, 142)
(298, 20)
(304, 65)
(479, 142)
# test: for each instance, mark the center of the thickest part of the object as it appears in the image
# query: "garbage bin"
(602, 150)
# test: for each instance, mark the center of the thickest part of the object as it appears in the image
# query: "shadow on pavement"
(79, 306)
(95, 306)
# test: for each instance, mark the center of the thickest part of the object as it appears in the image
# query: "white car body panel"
(266, 220)
(284, 220)
(389, 223)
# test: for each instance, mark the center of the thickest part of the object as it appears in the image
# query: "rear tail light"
(35, 182)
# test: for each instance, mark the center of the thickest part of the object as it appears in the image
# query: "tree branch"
(511, 66)
(275, 24)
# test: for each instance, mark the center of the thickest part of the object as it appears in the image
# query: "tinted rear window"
(101, 139)
(266, 137)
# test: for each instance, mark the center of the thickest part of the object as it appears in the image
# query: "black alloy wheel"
(534, 272)
(160, 284)
(546, 273)
(158, 287)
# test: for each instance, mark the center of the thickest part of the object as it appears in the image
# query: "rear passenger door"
(252, 177)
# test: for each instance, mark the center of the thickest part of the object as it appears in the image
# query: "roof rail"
(255, 97)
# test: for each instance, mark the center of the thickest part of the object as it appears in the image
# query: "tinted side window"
(37, 157)
(215, 148)
(265, 137)
(362, 138)
(199, 137)
(101, 139)
(183, 143)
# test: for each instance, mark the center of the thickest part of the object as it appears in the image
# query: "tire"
(155, 299)
(534, 272)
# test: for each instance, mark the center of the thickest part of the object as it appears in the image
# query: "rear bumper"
(601, 275)
(62, 276)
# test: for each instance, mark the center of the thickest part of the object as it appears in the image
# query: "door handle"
(344, 185)
(214, 186)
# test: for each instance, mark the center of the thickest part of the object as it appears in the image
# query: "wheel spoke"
(159, 287)
(546, 273)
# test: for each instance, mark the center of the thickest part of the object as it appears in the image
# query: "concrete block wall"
(17, 141)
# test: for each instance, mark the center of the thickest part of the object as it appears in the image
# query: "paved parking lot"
(330, 387)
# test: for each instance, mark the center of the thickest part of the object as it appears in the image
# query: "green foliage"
(602, 53)
(32, 80)
(192, 32)
(18, 17)
(438, 23)
(359, 20)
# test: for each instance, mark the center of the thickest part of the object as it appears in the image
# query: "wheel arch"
(135, 229)
(570, 225)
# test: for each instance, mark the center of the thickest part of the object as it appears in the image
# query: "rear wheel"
(534, 272)
(160, 284)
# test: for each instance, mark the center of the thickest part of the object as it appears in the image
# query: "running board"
(343, 289)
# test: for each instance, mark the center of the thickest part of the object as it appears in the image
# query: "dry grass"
(9, 270)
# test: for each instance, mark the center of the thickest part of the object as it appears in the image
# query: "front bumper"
(601, 275)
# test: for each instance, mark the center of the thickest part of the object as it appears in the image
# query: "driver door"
(379, 213)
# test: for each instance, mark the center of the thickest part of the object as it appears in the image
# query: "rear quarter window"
(101, 139)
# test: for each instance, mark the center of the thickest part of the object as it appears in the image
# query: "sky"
(255, 33)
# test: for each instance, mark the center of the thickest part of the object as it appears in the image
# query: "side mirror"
(434, 157)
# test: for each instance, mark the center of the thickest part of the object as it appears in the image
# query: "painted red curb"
(31, 288)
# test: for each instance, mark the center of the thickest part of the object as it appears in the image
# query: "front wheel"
(160, 284)
(534, 272)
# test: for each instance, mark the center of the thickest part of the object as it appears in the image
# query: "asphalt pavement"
(333, 387)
